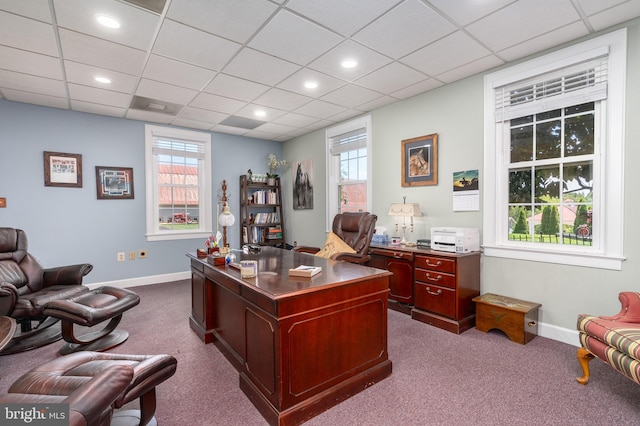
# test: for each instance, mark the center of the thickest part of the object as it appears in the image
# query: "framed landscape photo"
(61, 169)
(114, 183)
(420, 161)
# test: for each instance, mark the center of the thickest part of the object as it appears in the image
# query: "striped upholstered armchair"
(614, 339)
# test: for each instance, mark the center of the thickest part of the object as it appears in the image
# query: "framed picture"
(303, 185)
(62, 169)
(420, 161)
(114, 183)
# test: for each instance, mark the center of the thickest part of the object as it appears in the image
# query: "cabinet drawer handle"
(397, 256)
(438, 278)
(434, 293)
(438, 263)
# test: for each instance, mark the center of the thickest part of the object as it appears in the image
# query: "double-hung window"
(554, 151)
(178, 183)
(349, 168)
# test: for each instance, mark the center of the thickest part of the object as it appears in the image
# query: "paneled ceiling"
(215, 64)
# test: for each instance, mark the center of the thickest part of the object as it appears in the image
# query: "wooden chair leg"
(584, 356)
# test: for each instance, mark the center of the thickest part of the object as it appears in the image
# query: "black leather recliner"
(26, 288)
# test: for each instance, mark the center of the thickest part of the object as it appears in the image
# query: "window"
(349, 164)
(178, 183)
(554, 154)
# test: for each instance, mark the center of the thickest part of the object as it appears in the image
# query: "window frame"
(333, 165)
(205, 220)
(609, 253)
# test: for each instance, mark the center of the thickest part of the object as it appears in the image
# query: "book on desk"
(305, 271)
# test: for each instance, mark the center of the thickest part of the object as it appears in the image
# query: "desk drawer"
(436, 299)
(436, 264)
(407, 255)
(435, 277)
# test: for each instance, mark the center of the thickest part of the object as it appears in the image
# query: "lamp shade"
(226, 218)
(405, 209)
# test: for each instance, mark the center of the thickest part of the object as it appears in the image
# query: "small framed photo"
(61, 169)
(114, 183)
(420, 161)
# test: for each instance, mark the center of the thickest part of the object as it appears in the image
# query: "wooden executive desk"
(301, 345)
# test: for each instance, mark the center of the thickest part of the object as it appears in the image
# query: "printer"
(455, 240)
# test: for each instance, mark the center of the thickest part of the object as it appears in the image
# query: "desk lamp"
(226, 218)
(405, 211)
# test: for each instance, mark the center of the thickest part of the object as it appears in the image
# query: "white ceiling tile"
(165, 92)
(175, 72)
(345, 115)
(416, 89)
(236, 88)
(202, 115)
(31, 83)
(35, 98)
(294, 39)
(137, 26)
(406, 28)
(296, 83)
(391, 78)
(36, 9)
(230, 130)
(191, 124)
(217, 103)
(275, 128)
(321, 124)
(377, 103)
(86, 74)
(320, 109)
(234, 20)
(93, 108)
(343, 16)
(98, 96)
(445, 54)
(295, 120)
(30, 63)
(615, 15)
(154, 117)
(260, 67)
(470, 69)
(248, 112)
(464, 12)
(259, 135)
(282, 99)
(193, 46)
(27, 34)
(591, 7)
(368, 60)
(101, 53)
(545, 41)
(351, 96)
(521, 21)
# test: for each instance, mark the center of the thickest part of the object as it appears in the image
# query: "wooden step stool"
(518, 319)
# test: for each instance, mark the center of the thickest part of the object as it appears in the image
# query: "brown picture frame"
(114, 183)
(420, 161)
(62, 169)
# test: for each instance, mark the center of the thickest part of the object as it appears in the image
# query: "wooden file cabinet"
(400, 264)
(445, 285)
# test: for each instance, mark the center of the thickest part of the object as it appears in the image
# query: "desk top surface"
(273, 272)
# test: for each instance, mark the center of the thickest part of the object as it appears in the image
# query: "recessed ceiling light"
(103, 80)
(349, 63)
(260, 113)
(107, 21)
(311, 84)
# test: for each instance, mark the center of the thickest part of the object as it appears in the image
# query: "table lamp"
(226, 218)
(405, 211)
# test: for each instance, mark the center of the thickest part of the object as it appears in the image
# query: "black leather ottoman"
(89, 309)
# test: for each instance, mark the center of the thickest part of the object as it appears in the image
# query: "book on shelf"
(305, 271)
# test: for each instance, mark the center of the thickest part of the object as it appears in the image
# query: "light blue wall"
(455, 113)
(70, 225)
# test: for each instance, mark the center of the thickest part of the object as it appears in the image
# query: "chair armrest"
(66, 275)
(306, 249)
(8, 298)
(351, 257)
(630, 311)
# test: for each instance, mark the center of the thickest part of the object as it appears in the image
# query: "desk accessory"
(305, 271)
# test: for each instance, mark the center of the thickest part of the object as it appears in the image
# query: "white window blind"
(349, 141)
(574, 85)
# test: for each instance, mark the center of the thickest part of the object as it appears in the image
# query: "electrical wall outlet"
(121, 256)
(132, 255)
(142, 254)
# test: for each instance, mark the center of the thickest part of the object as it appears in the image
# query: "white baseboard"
(560, 334)
(135, 282)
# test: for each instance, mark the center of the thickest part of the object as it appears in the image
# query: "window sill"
(599, 261)
(179, 236)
